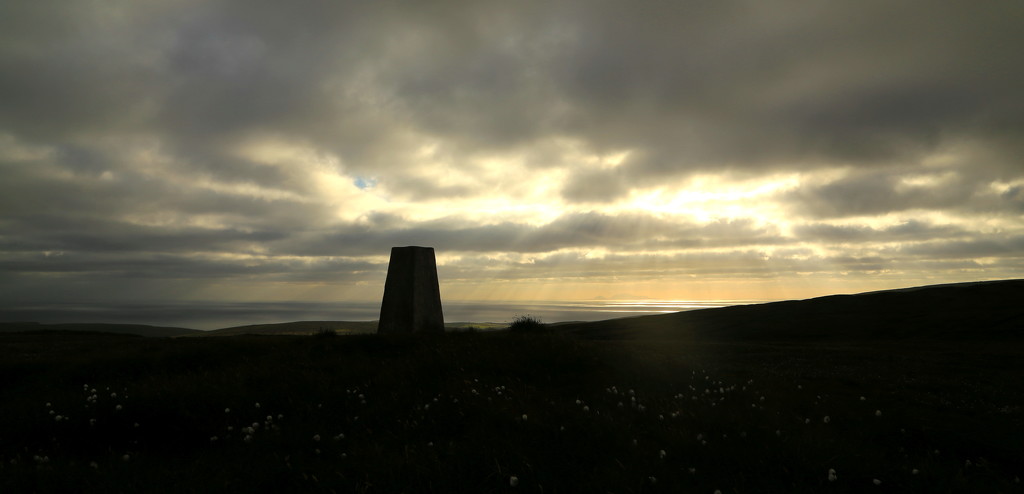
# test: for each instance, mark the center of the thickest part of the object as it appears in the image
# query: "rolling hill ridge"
(987, 310)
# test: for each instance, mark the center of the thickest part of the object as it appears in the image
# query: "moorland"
(917, 390)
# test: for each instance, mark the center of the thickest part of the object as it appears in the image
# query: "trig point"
(412, 298)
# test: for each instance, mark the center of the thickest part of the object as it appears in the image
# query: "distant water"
(214, 315)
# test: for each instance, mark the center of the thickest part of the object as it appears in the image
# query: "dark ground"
(468, 412)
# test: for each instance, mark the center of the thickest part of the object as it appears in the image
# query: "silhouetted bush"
(325, 333)
(527, 324)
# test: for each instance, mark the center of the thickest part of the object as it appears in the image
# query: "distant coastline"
(215, 315)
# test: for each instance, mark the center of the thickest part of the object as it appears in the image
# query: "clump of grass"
(325, 333)
(527, 324)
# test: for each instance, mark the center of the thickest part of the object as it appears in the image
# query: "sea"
(216, 315)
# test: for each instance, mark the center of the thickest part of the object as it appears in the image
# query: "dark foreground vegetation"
(506, 412)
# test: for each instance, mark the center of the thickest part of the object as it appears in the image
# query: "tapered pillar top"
(412, 296)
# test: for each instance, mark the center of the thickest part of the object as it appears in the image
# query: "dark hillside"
(296, 328)
(983, 310)
(136, 329)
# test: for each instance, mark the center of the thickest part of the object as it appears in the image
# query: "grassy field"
(506, 412)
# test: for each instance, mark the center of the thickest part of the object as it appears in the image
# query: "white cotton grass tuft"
(878, 413)
(827, 419)
(513, 481)
(876, 482)
(832, 475)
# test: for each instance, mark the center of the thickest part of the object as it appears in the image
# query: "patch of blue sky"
(365, 183)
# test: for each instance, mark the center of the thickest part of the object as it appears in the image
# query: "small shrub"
(527, 324)
(325, 333)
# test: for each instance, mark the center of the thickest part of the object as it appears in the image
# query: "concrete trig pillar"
(412, 297)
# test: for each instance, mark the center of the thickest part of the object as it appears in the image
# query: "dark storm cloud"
(1009, 247)
(630, 232)
(85, 212)
(1012, 199)
(596, 186)
(880, 192)
(57, 245)
(912, 230)
(421, 188)
(119, 268)
(57, 234)
(692, 85)
(740, 84)
(738, 264)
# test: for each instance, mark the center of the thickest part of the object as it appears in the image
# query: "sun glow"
(710, 198)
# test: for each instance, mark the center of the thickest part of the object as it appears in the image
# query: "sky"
(265, 151)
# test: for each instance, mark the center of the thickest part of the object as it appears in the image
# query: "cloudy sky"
(275, 151)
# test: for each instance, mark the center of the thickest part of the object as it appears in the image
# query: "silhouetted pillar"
(412, 298)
